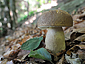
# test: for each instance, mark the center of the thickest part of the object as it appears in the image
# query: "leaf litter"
(11, 52)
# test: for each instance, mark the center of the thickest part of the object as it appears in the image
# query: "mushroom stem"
(55, 40)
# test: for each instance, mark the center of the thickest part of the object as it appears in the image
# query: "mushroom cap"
(55, 18)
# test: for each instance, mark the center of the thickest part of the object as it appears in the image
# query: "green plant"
(31, 13)
(22, 18)
(40, 53)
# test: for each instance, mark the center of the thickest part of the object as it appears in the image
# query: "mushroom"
(53, 21)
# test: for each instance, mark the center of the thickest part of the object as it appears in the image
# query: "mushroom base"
(55, 40)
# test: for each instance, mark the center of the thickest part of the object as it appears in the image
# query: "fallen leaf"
(22, 53)
(81, 46)
(4, 61)
(80, 30)
(10, 62)
(79, 25)
(12, 53)
(61, 61)
(25, 39)
(73, 49)
(41, 54)
(32, 43)
(72, 60)
(81, 54)
(74, 35)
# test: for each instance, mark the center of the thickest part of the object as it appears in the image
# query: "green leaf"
(41, 54)
(32, 44)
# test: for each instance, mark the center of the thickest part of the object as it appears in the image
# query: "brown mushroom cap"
(55, 18)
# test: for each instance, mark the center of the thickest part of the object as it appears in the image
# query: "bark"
(13, 14)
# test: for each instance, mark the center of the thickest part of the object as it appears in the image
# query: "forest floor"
(11, 52)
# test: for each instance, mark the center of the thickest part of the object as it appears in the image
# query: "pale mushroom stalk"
(55, 40)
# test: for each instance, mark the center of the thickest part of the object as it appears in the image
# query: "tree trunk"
(13, 14)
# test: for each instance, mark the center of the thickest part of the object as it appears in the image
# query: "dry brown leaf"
(79, 25)
(81, 38)
(81, 30)
(22, 53)
(79, 16)
(61, 52)
(74, 35)
(61, 60)
(12, 53)
(75, 49)
(81, 54)
(25, 39)
(4, 61)
(81, 46)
